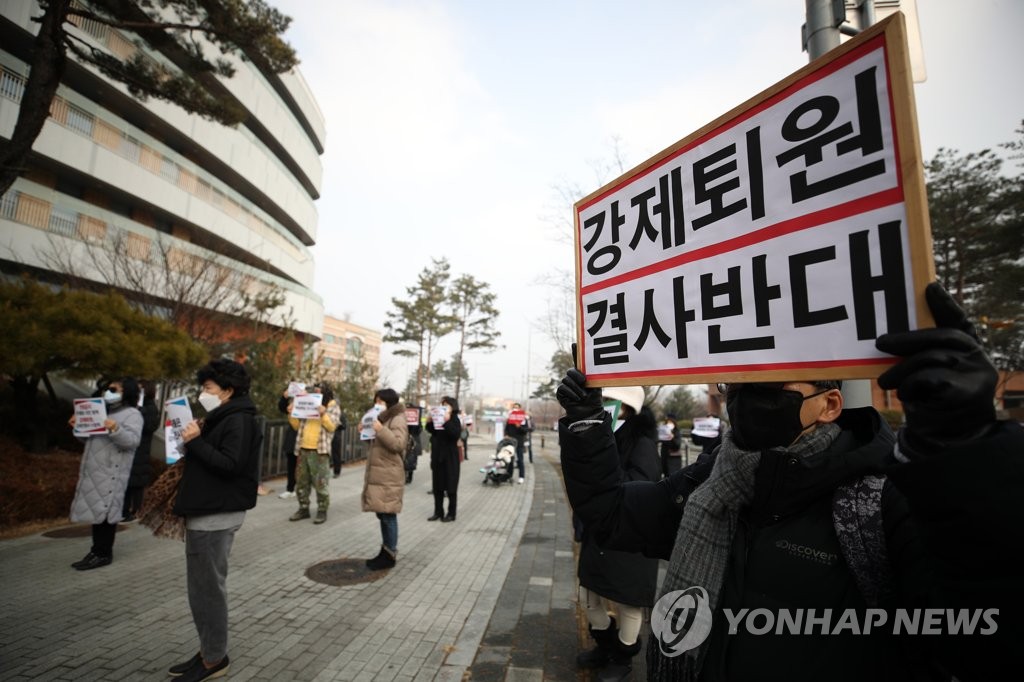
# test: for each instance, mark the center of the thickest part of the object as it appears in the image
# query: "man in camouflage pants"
(313, 450)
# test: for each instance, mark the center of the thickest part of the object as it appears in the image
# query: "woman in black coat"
(444, 459)
(142, 468)
(622, 583)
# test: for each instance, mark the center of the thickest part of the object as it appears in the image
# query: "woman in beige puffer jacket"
(384, 479)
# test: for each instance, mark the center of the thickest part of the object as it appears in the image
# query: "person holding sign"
(517, 428)
(218, 485)
(384, 477)
(106, 466)
(807, 505)
(314, 423)
(670, 443)
(620, 583)
(444, 457)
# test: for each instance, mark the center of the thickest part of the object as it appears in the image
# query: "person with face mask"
(105, 469)
(384, 476)
(444, 460)
(313, 448)
(616, 587)
(810, 508)
(217, 487)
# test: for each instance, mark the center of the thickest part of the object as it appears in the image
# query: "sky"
(455, 127)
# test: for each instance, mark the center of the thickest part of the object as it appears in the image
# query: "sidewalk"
(489, 597)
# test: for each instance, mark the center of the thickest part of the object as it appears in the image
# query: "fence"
(273, 461)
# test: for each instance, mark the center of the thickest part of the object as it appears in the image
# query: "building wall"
(341, 341)
(108, 170)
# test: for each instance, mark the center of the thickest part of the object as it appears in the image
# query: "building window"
(353, 347)
(80, 121)
(328, 338)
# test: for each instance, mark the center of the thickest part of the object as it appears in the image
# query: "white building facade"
(110, 171)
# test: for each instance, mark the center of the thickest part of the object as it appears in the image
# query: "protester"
(414, 449)
(288, 446)
(142, 468)
(518, 432)
(104, 471)
(336, 444)
(444, 460)
(671, 443)
(217, 487)
(620, 583)
(313, 449)
(793, 517)
(384, 478)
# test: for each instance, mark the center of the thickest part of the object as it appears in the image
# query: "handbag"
(157, 511)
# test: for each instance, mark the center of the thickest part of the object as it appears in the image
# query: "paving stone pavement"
(489, 597)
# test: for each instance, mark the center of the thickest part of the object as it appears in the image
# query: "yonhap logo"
(681, 620)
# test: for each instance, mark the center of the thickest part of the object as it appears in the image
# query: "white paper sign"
(439, 416)
(366, 431)
(179, 415)
(706, 427)
(665, 432)
(90, 413)
(307, 406)
(296, 388)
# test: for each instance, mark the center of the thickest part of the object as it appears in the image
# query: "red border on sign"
(755, 367)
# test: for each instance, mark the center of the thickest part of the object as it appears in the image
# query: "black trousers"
(103, 539)
(292, 461)
(438, 479)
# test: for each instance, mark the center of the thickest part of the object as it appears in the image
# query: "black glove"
(580, 402)
(945, 381)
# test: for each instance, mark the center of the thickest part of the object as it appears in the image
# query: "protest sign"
(438, 416)
(776, 242)
(307, 406)
(412, 416)
(706, 427)
(90, 413)
(516, 417)
(665, 432)
(296, 388)
(179, 414)
(366, 431)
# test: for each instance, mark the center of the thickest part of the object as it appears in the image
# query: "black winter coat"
(444, 452)
(626, 577)
(222, 463)
(414, 448)
(951, 522)
(142, 469)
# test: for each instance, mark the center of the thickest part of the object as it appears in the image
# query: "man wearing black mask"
(809, 508)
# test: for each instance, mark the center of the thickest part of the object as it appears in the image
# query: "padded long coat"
(106, 466)
(384, 478)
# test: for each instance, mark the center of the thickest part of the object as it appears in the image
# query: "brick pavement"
(491, 596)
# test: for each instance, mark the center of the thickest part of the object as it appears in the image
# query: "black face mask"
(765, 417)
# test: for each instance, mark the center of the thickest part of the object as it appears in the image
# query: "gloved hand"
(945, 381)
(580, 402)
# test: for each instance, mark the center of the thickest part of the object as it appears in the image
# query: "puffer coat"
(106, 466)
(384, 478)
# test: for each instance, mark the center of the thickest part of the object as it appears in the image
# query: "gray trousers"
(206, 566)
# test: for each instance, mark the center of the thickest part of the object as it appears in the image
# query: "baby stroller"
(502, 464)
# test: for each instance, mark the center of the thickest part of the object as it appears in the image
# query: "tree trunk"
(458, 370)
(47, 69)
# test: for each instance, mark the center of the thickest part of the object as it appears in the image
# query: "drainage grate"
(342, 572)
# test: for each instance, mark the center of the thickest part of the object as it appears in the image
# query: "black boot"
(620, 662)
(383, 560)
(599, 656)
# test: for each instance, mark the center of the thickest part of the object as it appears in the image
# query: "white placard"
(296, 388)
(665, 432)
(706, 427)
(90, 413)
(777, 240)
(366, 431)
(439, 416)
(307, 406)
(179, 415)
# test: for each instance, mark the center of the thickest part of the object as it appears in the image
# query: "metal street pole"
(825, 20)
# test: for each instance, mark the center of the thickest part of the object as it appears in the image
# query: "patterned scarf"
(700, 555)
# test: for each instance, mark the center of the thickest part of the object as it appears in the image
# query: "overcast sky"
(450, 124)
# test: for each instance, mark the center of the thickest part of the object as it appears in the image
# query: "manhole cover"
(83, 531)
(341, 572)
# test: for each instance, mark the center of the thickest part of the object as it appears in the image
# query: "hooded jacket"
(384, 477)
(222, 463)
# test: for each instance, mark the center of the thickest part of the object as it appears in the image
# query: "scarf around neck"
(700, 555)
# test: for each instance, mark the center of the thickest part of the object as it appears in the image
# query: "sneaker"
(95, 562)
(522, 480)
(303, 513)
(201, 672)
(287, 495)
(321, 516)
(182, 668)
